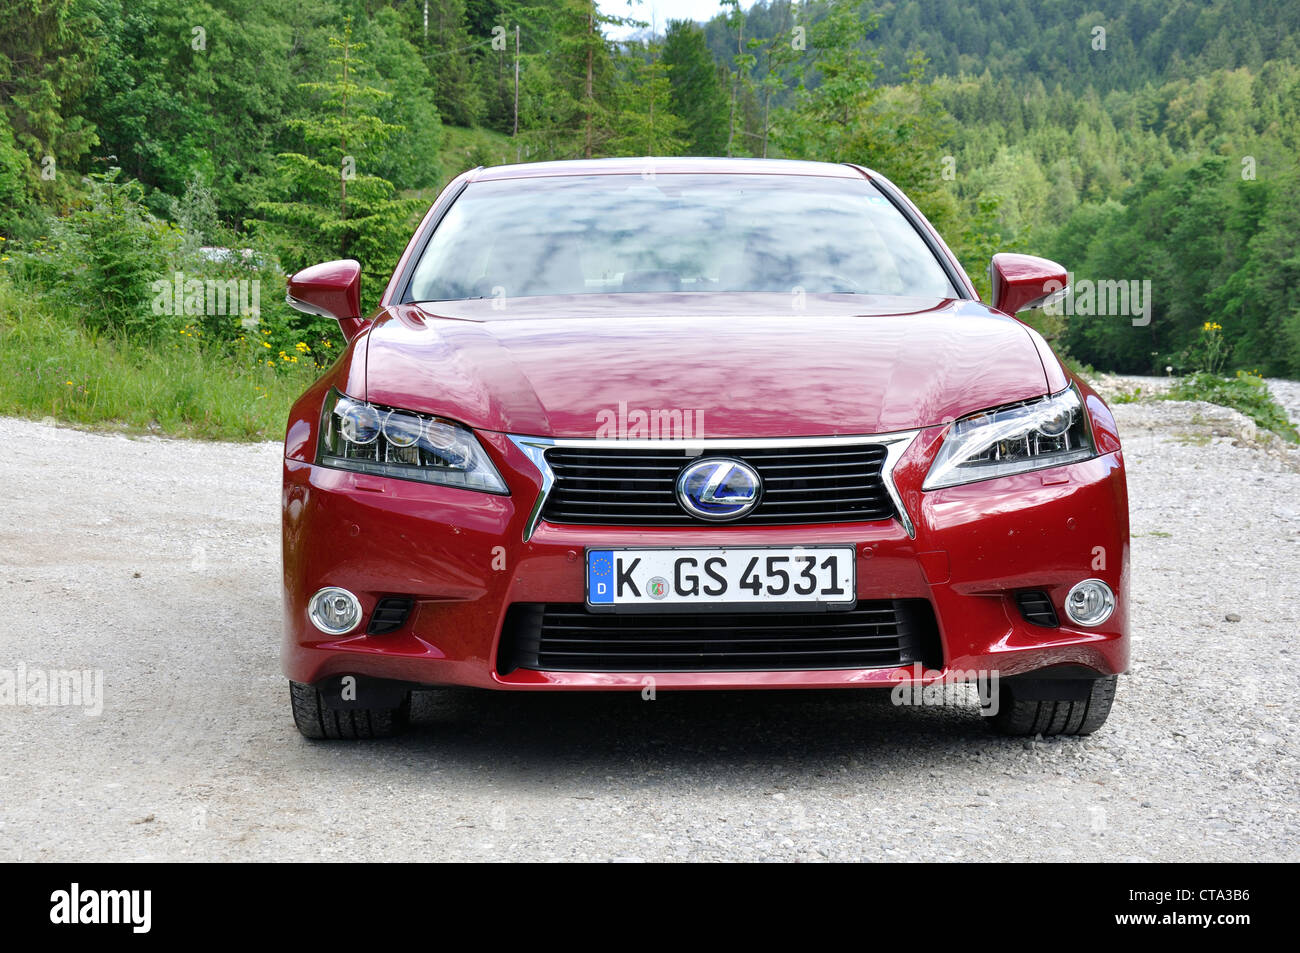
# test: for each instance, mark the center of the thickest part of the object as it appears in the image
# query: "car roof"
(665, 165)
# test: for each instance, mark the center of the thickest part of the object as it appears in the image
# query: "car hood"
(732, 365)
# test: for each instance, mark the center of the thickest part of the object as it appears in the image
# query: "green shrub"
(1246, 393)
(1077, 367)
(99, 262)
(113, 269)
(13, 193)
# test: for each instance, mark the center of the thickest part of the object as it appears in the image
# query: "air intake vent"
(555, 637)
(1037, 609)
(389, 615)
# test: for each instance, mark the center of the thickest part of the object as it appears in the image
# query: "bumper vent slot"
(1037, 609)
(390, 615)
(621, 486)
(563, 637)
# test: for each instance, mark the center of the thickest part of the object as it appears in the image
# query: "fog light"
(334, 611)
(1090, 603)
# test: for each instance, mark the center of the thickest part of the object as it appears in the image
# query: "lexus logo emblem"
(719, 489)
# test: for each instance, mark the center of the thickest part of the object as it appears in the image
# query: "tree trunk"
(591, 28)
(343, 140)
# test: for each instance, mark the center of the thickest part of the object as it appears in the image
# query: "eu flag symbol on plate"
(600, 577)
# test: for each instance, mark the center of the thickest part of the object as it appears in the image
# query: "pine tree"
(645, 123)
(832, 110)
(439, 31)
(47, 61)
(328, 207)
(697, 95)
(572, 87)
(739, 77)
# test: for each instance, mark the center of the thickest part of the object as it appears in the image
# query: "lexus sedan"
(697, 424)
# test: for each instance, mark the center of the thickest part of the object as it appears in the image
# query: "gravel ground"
(157, 562)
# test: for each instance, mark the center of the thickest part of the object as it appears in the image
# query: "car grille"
(564, 637)
(619, 486)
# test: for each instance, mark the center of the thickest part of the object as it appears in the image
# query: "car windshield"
(611, 234)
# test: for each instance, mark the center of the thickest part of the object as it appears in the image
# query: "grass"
(52, 367)
(465, 148)
(1245, 393)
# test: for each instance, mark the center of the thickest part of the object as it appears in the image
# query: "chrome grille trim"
(895, 444)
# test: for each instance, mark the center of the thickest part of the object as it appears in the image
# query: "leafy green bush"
(110, 252)
(112, 268)
(99, 262)
(1246, 393)
(115, 317)
(13, 194)
(1077, 367)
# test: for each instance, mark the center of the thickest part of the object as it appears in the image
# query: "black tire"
(1028, 717)
(315, 720)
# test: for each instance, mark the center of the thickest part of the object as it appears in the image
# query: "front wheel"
(317, 720)
(1042, 707)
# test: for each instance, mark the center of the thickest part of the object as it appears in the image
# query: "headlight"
(1028, 436)
(356, 435)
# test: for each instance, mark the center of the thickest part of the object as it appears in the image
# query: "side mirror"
(1023, 281)
(331, 290)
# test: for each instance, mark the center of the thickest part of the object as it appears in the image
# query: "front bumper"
(464, 559)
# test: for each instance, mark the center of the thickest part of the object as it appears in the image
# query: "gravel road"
(157, 562)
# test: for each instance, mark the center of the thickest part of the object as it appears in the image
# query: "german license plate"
(760, 575)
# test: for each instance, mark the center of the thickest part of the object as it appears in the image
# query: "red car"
(696, 424)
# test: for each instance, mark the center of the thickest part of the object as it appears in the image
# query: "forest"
(155, 141)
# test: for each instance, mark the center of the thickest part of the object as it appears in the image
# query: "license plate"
(768, 576)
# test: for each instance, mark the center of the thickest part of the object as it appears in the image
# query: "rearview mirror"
(331, 290)
(1023, 281)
